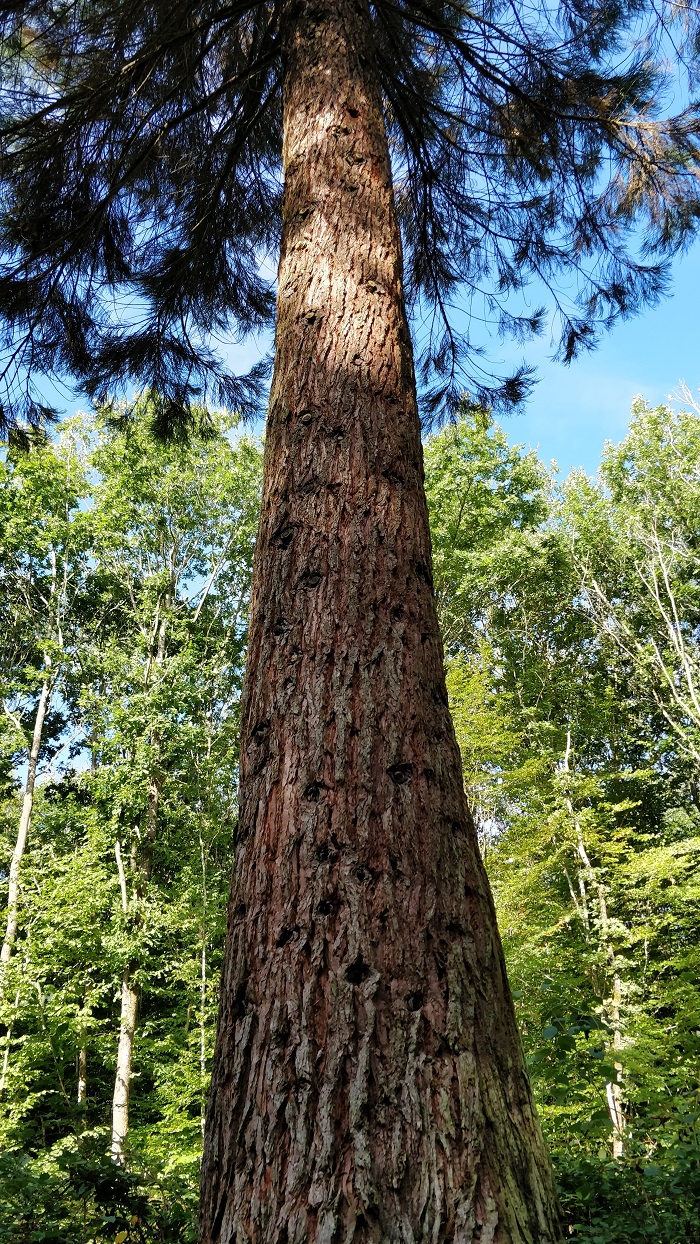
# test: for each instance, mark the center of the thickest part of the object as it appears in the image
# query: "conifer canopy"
(141, 196)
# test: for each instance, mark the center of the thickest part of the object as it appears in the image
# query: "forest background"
(570, 614)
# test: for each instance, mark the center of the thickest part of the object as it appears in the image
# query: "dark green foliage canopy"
(141, 188)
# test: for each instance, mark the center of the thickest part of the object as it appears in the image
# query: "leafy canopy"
(141, 180)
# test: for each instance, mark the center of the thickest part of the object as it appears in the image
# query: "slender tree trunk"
(6, 1052)
(122, 1081)
(368, 1082)
(203, 988)
(127, 1029)
(82, 1075)
(81, 1060)
(613, 1090)
(23, 831)
(141, 869)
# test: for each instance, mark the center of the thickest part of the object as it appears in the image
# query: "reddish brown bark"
(368, 1080)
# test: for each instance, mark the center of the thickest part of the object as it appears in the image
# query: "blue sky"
(575, 409)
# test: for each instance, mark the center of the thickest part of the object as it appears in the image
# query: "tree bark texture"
(368, 1082)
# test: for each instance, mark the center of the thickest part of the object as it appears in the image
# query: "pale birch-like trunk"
(122, 1082)
(82, 1075)
(613, 1090)
(127, 1028)
(141, 871)
(6, 1052)
(203, 991)
(23, 831)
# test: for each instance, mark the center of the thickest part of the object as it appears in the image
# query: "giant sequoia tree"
(368, 1082)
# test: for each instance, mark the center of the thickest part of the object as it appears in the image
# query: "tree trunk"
(23, 831)
(81, 1069)
(8, 1039)
(122, 1080)
(203, 989)
(127, 1029)
(81, 1059)
(613, 1090)
(141, 869)
(368, 1082)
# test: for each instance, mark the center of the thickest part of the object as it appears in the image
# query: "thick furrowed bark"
(368, 1080)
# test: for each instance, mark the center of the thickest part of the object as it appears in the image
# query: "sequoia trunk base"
(368, 1082)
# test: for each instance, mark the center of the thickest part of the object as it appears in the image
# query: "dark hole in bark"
(260, 732)
(240, 1001)
(239, 911)
(310, 579)
(455, 929)
(392, 477)
(353, 112)
(440, 695)
(362, 874)
(400, 774)
(393, 863)
(356, 358)
(311, 317)
(284, 936)
(423, 572)
(306, 417)
(325, 907)
(284, 535)
(457, 827)
(281, 1036)
(414, 1001)
(357, 972)
(397, 612)
(313, 791)
(323, 853)
(281, 628)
